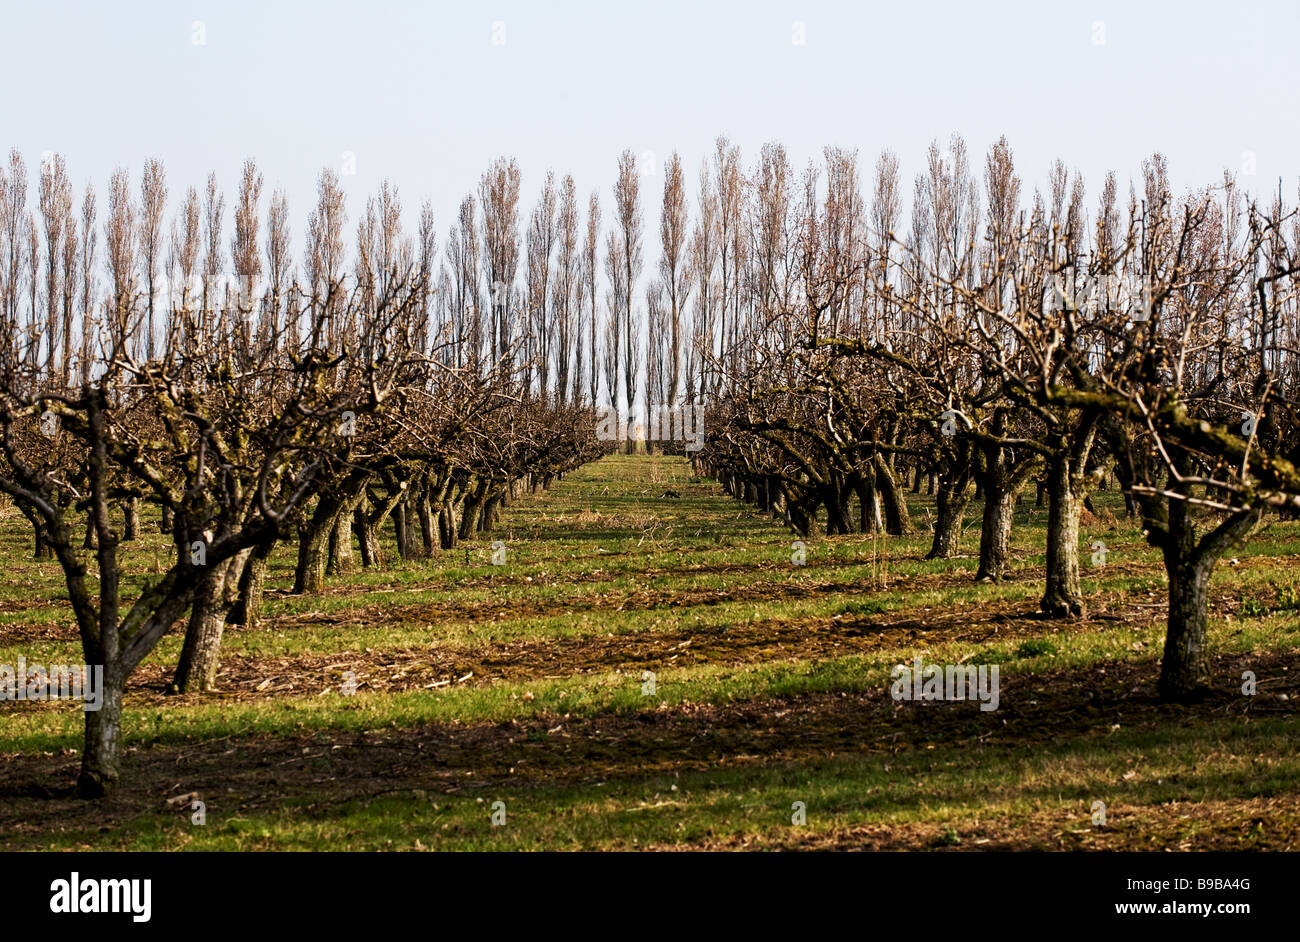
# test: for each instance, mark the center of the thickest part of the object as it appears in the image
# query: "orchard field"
(650, 671)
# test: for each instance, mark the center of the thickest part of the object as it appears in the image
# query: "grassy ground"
(527, 684)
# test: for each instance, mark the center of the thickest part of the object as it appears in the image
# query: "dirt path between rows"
(744, 642)
(246, 775)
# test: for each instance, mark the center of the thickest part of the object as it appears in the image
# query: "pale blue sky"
(419, 93)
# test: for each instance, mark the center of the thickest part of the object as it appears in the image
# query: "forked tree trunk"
(41, 547)
(1185, 667)
(252, 589)
(1002, 478)
(447, 533)
(952, 498)
(314, 538)
(801, 518)
(778, 499)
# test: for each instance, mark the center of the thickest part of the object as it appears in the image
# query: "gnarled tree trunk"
(314, 538)
(366, 529)
(1064, 594)
(897, 520)
(995, 532)
(252, 588)
(341, 559)
(952, 498)
(102, 747)
(1003, 476)
(470, 513)
(1185, 668)
(197, 669)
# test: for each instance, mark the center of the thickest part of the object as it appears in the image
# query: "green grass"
(753, 801)
(605, 580)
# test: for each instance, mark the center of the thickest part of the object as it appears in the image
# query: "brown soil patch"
(253, 677)
(255, 774)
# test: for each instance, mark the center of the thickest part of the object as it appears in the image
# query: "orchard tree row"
(992, 340)
(242, 413)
